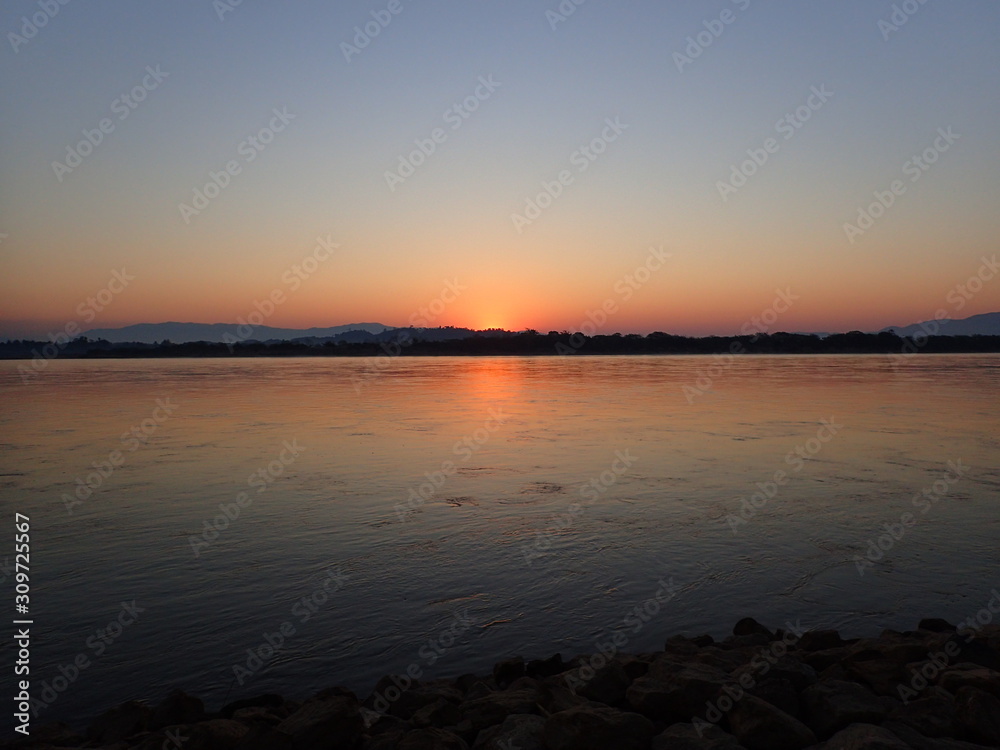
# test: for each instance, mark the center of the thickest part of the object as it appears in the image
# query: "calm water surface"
(534, 529)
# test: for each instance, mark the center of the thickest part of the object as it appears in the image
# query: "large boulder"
(523, 731)
(702, 736)
(430, 738)
(508, 670)
(833, 705)
(977, 713)
(673, 691)
(970, 675)
(597, 728)
(760, 726)
(608, 685)
(177, 708)
(864, 737)
(119, 723)
(494, 708)
(932, 715)
(325, 723)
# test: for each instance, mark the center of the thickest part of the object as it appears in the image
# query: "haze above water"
(500, 541)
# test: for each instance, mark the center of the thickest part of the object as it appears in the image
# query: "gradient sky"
(656, 185)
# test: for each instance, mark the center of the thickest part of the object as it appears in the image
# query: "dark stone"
(864, 737)
(778, 692)
(977, 714)
(828, 707)
(820, 640)
(932, 715)
(441, 713)
(936, 625)
(884, 676)
(269, 700)
(917, 741)
(597, 728)
(760, 726)
(702, 640)
(688, 737)
(523, 731)
(325, 723)
(970, 675)
(497, 706)
(508, 670)
(786, 668)
(677, 692)
(608, 685)
(216, 734)
(177, 708)
(542, 668)
(749, 626)
(119, 723)
(430, 739)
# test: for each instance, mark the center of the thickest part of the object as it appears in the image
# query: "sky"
(645, 165)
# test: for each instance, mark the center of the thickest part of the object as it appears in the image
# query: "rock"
(216, 734)
(779, 692)
(749, 626)
(260, 737)
(429, 739)
(978, 651)
(523, 731)
(936, 625)
(177, 708)
(554, 696)
(828, 707)
(497, 706)
(440, 713)
(269, 700)
(932, 715)
(478, 690)
(823, 659)
(970, 675)
(676, 691)
(257, 715)
(820, 640)
(750, 640)
(634, 666)
(388, 697)
(327, 723)
(680, 645)
(119, 723)
(542, 668)
(597, 728)
(884, 676)
(786, 668)
(701, 641)
(977, 713)
(508, 670)
(608, 685)
(687, 737)
(760, 726)
(52, 734)
(917, 741)
(864, 737)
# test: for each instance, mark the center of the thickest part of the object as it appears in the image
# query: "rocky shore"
(933, 688)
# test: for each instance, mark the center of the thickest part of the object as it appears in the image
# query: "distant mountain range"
(987, 324)
(183, 333)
